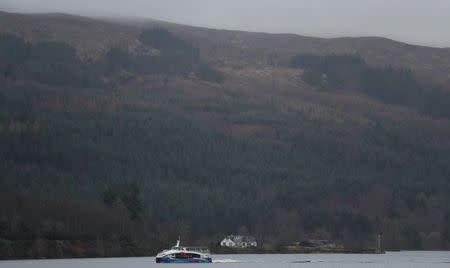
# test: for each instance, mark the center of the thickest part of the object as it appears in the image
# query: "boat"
(184, 254)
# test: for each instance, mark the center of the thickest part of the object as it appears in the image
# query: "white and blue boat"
(184, 254)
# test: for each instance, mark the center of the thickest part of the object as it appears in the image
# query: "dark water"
(403, 259)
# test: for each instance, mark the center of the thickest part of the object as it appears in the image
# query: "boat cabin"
(192, 248)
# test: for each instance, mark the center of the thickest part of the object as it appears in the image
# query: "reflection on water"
(404, 259)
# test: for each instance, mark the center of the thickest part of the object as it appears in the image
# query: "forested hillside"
(119, 154)
(390, 85)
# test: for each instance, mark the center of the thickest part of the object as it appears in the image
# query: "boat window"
(193, 255)
(181, 256)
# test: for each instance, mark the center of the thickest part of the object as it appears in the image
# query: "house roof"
(241, 238)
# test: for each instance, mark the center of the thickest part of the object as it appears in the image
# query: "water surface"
(403, 259)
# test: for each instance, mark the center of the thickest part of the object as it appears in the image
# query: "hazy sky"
(415, 21)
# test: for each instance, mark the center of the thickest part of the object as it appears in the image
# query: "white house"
(239, 241)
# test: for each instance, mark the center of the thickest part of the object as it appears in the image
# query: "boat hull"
(194, 260)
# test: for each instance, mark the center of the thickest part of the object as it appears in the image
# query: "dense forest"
(56, 63)
(90, 170)
(390, 85)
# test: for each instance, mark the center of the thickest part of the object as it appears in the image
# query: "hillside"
(91, 37)
(202, 132)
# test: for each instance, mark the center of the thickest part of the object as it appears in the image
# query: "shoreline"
(293, 250)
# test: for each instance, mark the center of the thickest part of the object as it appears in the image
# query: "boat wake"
(225, 261)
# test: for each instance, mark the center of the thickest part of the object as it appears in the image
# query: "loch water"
(401, 259)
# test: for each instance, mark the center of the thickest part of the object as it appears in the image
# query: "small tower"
(378, 249)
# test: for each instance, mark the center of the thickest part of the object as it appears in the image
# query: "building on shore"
(239, 241)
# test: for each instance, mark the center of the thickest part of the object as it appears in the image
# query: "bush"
(208, 73)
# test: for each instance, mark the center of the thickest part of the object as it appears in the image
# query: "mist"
(412, 21)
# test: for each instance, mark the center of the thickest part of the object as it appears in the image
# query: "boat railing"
(192, 248)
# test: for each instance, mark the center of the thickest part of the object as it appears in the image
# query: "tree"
(208, 73)
(132, 200)
(312, 77)
(446, 231)
(109, 196)
(9, 72)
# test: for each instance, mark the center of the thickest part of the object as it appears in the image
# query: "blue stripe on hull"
(169, 260)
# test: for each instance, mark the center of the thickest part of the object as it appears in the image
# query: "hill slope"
(91, 37)
(232, 141)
